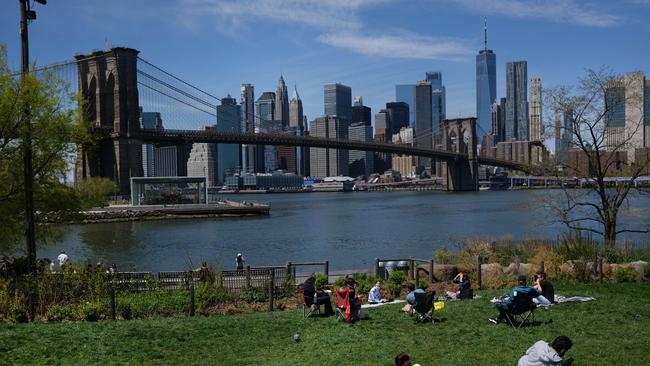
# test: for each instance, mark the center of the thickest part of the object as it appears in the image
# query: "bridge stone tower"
(108, 84)
(459, 136)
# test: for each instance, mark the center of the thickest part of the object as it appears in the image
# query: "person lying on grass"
(543, 354)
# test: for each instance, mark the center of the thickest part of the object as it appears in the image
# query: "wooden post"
(271, 287)
(377, 273)
(192, 302)
(541, 266)
(289, 274)
(600, 270)
(431, 271)
(412, 268)
(478, 272)
(113, 306)
(326, 269)
(248, 276)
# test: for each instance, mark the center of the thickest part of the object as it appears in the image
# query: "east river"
(348, 229)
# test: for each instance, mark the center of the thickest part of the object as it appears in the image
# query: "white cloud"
(558, 11)
(396, 46)
(336, 20)
(317, 13)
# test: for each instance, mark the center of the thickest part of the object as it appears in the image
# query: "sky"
(369, 45)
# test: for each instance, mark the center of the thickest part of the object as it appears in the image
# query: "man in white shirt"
(62, 258)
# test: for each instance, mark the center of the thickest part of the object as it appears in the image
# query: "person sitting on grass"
(464, 287)
(315, 298)
(524, 294)
(543, 354)
(374, 296)
(546, 288)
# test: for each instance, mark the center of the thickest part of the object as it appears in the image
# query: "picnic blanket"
(559, 299)
(364, 306)
(563, 299)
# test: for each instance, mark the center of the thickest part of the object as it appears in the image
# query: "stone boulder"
(512, 269)
(444, 272)
(524, 269)
(491, 270)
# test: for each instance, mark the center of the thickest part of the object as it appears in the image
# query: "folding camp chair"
(521, 309)
(423, 306)
(309, 306)
(343, 304)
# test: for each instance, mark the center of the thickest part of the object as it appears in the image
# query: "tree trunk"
(610, 234)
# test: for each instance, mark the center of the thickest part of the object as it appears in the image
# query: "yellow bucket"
(438, 305)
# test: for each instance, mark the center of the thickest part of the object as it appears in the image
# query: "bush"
(252, 295)
(232, 309)
(90, 312)
(625, 274)
(209, 296)
(397, 277)
(124, 310)
(59, 313)
(500, 282)
(646, 272)
(443, 256)
(321, 281)
(576, 245)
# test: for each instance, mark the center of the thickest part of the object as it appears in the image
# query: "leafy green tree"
(56, 128)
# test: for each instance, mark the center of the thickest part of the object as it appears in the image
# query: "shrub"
(90, 312)
(209, 296)
(499, 282)
(59, 313)
(251, 295)
(232, 309)
(397, 278)
(423, 283)
(339, 282)
(321, 281)
(124, 310)
(576, 245)
(281, 304)
(646, 272)
(443, 256)
(625, 274)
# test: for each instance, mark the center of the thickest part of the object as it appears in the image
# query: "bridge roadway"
(211, 136)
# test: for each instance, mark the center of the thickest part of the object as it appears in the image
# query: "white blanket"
(365, 306)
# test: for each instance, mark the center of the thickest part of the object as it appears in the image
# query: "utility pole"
(27, 14)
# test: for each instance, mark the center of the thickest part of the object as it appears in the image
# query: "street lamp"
(26, 14)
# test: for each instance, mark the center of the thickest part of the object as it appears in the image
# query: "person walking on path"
(239, 262)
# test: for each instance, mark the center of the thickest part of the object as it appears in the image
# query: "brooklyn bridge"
(116, 84)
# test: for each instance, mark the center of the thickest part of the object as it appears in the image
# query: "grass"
(614, 329)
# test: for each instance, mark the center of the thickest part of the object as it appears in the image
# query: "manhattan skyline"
(368, 45)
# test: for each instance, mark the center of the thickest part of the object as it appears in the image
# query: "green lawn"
(613, 330)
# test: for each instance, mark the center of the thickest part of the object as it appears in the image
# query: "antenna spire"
(485, 31)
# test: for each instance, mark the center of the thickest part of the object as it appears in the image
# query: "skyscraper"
(361, 162)
(517, 126)
(382, 126)
(295, 111)
(264, 122)
(399, 116)
(228, 117)
(282, 103)
(406, 93)
(338, 101)
(149, 120)
(423, 109)
(627, 121)
(499, 120)
(329, 162)
(486, 86)
(438, 99)
(361, 113)
(247, 102)
(203, 160)
(535, 113)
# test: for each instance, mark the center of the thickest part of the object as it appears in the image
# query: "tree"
(56, 127)
(602, 136)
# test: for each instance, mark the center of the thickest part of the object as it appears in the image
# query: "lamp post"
(27, 14)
